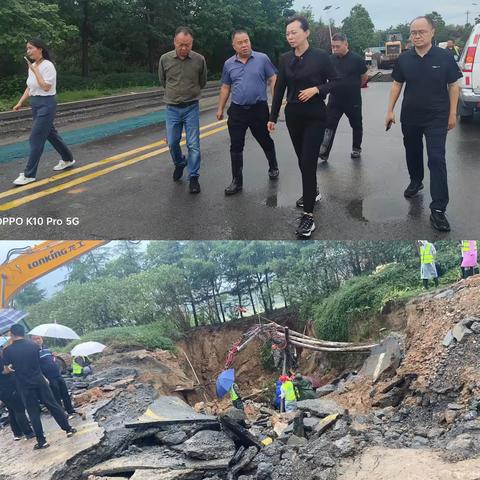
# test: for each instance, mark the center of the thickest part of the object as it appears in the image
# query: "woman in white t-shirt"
(41, 89)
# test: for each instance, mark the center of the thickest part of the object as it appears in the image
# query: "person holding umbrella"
(51, 372)
(226, 384)
(81, 363)
(22, 358)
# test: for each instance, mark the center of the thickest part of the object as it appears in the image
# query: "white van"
(469, 101)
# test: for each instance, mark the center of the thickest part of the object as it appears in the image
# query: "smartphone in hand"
(389, 126)
(27, 60)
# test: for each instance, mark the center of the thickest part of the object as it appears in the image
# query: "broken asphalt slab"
(320, 408)
(387, 355)
(20, 461)
(169, 410)
(155, 458)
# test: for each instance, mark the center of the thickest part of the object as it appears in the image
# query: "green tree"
(359, 29)
(24, 19)
(30, 295)
(440, 30)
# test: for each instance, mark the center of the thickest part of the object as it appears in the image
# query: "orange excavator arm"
(37, 261)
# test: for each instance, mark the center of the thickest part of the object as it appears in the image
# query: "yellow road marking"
(91, 176)
(113, 158)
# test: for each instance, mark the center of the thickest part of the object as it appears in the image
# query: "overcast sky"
(387, 12)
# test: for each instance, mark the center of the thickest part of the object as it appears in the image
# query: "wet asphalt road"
(361, 199)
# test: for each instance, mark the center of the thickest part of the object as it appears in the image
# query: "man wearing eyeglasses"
(429, 109)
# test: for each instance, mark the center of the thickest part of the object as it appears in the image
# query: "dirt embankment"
(438, 369)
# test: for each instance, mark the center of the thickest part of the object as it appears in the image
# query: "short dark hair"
(424, 17)
(17, 330)
(339, 37)
(184, 30)
(298, 18)
(238, 32)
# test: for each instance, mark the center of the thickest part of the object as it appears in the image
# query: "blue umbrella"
(225, 381)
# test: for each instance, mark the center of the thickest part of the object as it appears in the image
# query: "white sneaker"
(23, 180)
(61, 165)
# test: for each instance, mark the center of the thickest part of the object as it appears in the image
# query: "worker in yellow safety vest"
(428, 268)
(81, 366)
(235, 397)
(288, 393)
(469, 257)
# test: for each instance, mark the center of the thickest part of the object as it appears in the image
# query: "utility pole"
(467, 13)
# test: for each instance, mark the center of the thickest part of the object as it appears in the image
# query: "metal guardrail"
(16, 122)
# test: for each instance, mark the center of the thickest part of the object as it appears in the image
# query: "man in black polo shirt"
(11, 399)
(51, 372)
(22, 359)
(429, 109)
(346, 98)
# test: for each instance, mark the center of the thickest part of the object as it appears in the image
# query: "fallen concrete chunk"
(208, 445)
(326, 423)
(320, 408)
(448, 340)
(280, 428)
(325, 390)
(161, 474)
(171, 438)
(475, 327)
(154, 458)
(245, 460)
(169, 410)
(460, 331)
(345, 445)
(385, 356)
(469, 321)
(310, 422)
(445, 294)
(240, 435)
(295, 441)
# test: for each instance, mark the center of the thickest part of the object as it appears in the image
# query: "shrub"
(146, 336)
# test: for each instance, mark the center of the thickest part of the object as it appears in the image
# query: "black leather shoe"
(233, 188)
(273, 173)
(439, 221)
(413, 189)
(177, 173)
(194, 185)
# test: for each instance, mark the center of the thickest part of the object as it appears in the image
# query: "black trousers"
(435, 138)
(353, 110)
(41, 392)
(60, 392)
(306, 126)
(16, 414)
(255, 118)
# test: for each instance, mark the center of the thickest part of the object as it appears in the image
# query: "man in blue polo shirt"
(429, 110)
(246, 75)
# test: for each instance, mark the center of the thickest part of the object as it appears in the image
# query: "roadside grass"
(144, 336)
(6, 103)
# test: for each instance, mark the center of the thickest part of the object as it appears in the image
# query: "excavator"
(31, 263)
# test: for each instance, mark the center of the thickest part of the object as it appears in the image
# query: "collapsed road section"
(411, 411)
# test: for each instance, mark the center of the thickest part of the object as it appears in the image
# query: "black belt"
(248, 107)
(184, 104)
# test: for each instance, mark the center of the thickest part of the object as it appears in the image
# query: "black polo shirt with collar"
(426, 101)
